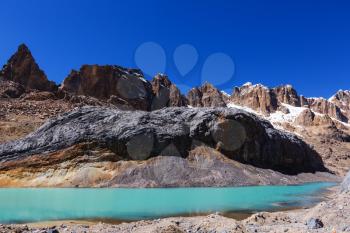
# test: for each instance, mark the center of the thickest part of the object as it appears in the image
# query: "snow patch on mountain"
(280, 117)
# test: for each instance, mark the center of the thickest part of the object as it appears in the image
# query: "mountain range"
(281, 130)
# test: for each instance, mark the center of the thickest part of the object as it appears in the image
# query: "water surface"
(44, 204)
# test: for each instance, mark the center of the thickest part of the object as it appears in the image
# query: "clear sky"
(300, 42)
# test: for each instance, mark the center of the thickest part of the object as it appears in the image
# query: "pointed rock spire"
(166, 94)
(22, 68)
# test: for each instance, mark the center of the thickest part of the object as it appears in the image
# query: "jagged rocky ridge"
(269, 100)
(127, 89)
(122, 88)
(138, 135)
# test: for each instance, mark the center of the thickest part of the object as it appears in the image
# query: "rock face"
(138, 135)
(342, 100)
(287, 94)
(264, 99)
(206, 96)
(21, 68)
(257, 97)
(305, 118)
(268, 100)
(166, 94)
(324, 106)
(115, 84)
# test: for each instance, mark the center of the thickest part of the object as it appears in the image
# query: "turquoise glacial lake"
(18, 205)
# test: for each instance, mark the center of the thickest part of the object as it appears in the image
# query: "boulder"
(345, 186)
(9, 89)
(314, 223)
(139, 135)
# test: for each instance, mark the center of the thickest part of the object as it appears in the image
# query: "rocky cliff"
(268, 100)
(122, 87)
(342, 100)
(206, 96)
(165, 93)
(257, 97)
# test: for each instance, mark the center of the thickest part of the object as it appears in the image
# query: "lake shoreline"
(211, 221)
(127, 205)
(334, 213)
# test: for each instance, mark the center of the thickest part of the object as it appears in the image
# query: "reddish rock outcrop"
(324, 106)
(205, 96)
(287, 94)
(166, 94)
(22, 68)
(111, 83)
(342, 100)
(265, 100)
(257, 97)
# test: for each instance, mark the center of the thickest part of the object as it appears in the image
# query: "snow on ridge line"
(278, 117)
(225, 93)
(232, 105)
(275, 118)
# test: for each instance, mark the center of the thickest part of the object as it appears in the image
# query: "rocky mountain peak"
(160, 80)
(23, 49)
(22, 68)
(342, 100)
(257, 97)
(287, 94)
(166, 94)
(206, 96)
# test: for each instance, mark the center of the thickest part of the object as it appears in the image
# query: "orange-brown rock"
(287, 94)
(324, 106)
(104, 82)
(166, 94)
(342, 100)
(205, 96)
(22, 68)
(257, 97)
(305, 118)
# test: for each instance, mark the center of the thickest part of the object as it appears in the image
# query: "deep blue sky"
(300, 42)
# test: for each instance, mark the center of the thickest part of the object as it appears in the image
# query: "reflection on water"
(43, 204)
